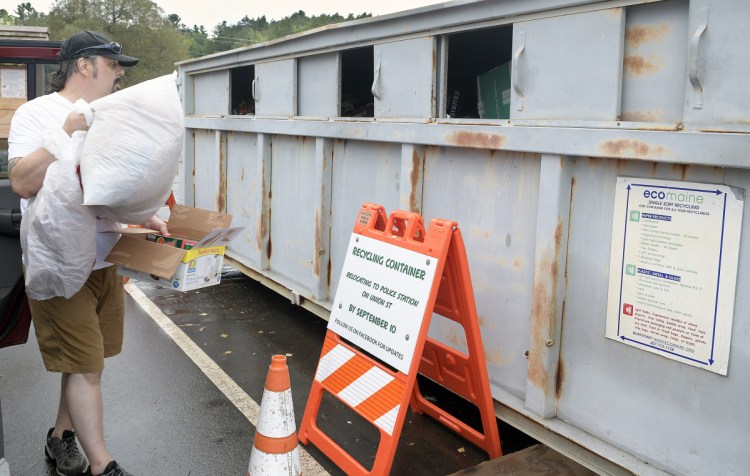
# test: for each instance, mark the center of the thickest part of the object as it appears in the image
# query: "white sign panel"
(13, 83)
(673, 269)
(381, 299)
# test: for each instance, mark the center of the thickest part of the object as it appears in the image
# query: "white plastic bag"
(132, 150)
(58, 233)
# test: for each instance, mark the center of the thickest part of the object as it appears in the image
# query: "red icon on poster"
(627, 309)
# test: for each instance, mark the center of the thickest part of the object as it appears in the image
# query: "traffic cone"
(275, 450)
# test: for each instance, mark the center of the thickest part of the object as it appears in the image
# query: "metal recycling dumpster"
(603, 218)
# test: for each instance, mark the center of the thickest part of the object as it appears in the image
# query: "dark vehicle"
(25, 65)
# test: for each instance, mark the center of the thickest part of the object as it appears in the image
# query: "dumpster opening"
(513, 439)
(357, 76)
(486, 53)
(242, 101)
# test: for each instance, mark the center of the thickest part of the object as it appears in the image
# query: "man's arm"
(12, 163)
(27, 173)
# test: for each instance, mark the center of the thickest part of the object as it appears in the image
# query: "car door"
(25, 66)
(14, 313)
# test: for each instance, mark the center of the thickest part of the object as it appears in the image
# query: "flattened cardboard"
(194, 223)
(219, 237)
(133, 251)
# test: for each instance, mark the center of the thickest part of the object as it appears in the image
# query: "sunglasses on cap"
(112, 46)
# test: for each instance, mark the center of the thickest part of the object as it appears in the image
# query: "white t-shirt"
(26, 132)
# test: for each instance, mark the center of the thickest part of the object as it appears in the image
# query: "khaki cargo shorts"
(76, 334)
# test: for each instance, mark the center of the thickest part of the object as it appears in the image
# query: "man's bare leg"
(83, 400)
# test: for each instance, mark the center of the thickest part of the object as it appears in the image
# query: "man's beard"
(117, 86)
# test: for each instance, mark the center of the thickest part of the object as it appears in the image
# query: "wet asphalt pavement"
(163, 416)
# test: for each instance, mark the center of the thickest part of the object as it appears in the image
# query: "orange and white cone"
(275, 450)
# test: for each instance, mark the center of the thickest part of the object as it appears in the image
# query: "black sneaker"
(65, 455)
(114, 469)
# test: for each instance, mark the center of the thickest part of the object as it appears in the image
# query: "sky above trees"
(158, 38)
(210, 13)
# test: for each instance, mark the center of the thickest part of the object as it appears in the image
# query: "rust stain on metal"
(497, 359)
(559, 378)
(456, 339)
(328, 277)
(681, 170)
(635, 36)
(483, 140)
(558, 242)
(261, 231)
(651, 115)
(620, 165)
(639, 66)
(220, 200)
(544, 309)
(560, 370)
(627, 148)
(615, 11)
(318, 251)
(517, 263)
(262, 228)
(221, 196)
(416, 168)
(267, 231)
(264, 219)
(318, 245)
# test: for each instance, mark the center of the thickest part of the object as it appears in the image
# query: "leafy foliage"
(160, 40)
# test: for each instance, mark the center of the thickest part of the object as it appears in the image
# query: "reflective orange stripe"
(328, 344)
(346, 374)
(382, 401)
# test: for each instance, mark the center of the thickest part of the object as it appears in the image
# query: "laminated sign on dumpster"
(673, 268)
(196, 263)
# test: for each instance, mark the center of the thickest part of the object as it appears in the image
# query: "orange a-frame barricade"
(343, 366)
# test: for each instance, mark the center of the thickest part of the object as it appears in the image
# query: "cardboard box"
(168, 266)
(493, 91)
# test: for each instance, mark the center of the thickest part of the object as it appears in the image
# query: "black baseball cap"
(96, 43)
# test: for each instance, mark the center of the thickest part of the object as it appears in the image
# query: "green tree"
(252, 31)
(198, 40)
(176, 21)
